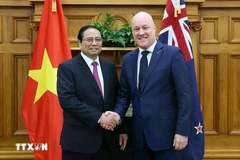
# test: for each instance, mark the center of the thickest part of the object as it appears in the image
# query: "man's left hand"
(123, 141)
(180, 142)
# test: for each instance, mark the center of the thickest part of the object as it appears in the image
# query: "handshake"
(109, 120)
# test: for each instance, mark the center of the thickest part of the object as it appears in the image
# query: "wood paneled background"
(215, 31)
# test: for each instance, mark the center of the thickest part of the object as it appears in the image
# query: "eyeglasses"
(90, 40)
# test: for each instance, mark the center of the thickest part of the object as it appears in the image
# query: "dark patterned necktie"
(143, 69)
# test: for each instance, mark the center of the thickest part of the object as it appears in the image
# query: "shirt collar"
(89, 60)
(150, 49)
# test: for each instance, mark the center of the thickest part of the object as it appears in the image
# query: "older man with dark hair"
(87, 86)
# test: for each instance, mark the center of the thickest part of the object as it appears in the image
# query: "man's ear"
(79, 43)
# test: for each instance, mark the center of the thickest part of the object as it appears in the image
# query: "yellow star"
(46, 77)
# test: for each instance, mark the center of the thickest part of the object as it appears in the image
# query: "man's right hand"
(109, 120)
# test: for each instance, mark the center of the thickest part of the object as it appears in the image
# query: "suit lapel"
(134, 68)
(104, 68)
(88, 74)
(156, 55)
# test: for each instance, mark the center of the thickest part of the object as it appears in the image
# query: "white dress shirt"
(149, 56)
(89, 63)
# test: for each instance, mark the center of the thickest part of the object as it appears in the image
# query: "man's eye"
(89, 40)
(98, 40)
(145, 28)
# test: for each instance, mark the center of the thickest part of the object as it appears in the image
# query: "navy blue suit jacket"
(164, 107)
(83, 105)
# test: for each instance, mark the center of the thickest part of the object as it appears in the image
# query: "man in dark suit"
(160, 93)
(87, 86)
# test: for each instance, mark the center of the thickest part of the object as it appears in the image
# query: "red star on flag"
(199, 128)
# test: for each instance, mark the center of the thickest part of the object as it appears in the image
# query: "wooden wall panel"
(1, 95)
(122, 2)
(21, 30)
(158, 23)
(74, 23)
(218, 159)
(7, 96)
(208, 90)
(234, 33)
(234, 94)
(220, 4)
(210, 33)
(222, 151)
(1, 28)
(222, 92)
(21, 63)
(224, 144)
(21, 3)
(16, 155)
(15, 51)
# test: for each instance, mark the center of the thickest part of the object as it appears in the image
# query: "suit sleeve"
(182, 83)
(124, 95)
(68, 100)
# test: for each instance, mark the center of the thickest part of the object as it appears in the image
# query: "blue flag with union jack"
(175, 32)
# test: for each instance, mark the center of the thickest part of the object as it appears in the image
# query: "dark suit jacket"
(83, 104)
(165, 105)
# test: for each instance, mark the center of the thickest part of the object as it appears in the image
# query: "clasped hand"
(109, 120)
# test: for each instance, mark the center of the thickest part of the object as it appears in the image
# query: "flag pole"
(177, 8)
(54, 8)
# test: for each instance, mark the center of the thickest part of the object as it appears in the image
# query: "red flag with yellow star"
(41, 112)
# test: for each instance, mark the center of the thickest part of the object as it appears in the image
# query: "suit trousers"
(104, 153)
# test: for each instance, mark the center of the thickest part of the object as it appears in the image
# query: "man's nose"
(141, 31)
(94, 42)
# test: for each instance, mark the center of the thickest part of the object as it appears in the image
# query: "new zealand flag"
(175, 32)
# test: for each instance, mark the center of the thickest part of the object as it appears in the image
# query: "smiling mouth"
(142, 38)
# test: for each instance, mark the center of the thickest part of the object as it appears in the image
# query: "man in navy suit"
(160, 93)
(87, 86)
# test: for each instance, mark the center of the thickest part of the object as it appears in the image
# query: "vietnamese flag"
(41, 111)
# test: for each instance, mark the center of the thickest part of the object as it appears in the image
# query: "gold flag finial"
(54, 6)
